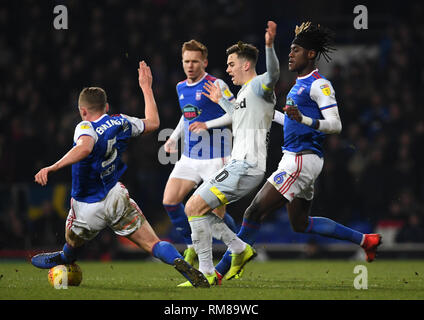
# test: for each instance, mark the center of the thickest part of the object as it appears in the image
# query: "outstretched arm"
(322, 92)
(79, 152)
(222, 121)
(170, 145)
(151, 120)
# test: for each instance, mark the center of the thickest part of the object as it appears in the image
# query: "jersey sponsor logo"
(325, 88)
(198, 95)
(191, 112)
(279, 178)
(241, 104)
(290, 102)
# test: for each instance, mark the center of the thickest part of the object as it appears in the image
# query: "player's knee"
(253, 213)
(299, 225)
(196, 206)
(190, 207)
(220, 211)
(72, 239)
(169, 199)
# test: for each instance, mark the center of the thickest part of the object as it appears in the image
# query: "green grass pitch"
(270, 280)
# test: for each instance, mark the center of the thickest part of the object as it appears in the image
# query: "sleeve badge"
(325, 88)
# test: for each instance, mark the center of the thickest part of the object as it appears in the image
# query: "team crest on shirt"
(279, 178)
(325, 88)
(198, 95)
(191, 112)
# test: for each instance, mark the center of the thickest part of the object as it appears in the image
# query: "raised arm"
(151, 120)
(272, 64)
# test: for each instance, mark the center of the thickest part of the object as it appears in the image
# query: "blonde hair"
(194, 45)
(94, 97)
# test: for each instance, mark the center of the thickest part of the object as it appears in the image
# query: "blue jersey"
(311, 94)
(94, 176)
(216, 143)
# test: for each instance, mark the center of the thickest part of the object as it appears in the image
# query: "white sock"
(222, 232)
(201, 235)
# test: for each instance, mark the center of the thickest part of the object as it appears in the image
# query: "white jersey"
(252, 118)
(252, 115)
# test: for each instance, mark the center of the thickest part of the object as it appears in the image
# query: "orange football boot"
(370, 244)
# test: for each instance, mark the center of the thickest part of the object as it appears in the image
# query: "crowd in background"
(373, 170)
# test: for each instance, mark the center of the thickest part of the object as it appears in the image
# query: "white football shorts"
(296, 175)
(229, 184)
(117, 211)
(197, 170)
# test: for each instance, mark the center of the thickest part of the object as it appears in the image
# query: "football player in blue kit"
(98, 199)
(311, 112)
(205, 151)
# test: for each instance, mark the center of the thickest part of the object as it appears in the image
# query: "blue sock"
(229, 221)
(166, 252)
(179, 220)
(69, 254)
(224, 265)
(329, 228)
(248, 232)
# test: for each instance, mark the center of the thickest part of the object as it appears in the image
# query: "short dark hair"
(95, 98)
(194, 45)
(244, 50)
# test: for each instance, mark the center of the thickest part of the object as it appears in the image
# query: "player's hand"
(293, 113)
(270, 33)
(170, 146)
(213, 91)
(145, 77)
(42, 176)
(198, 127)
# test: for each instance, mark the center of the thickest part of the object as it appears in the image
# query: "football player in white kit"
(99, 200)
(252, 114)
(311, 113)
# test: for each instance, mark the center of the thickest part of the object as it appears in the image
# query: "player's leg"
(197, 211)
(77, 225)
(226, 186)
(67, 255)
(146, 239)
(266, 201)
(126, 219)
(298, 211)
(226, 217)
(207, 170)
(176, 190)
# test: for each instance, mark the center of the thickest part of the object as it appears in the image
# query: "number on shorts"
(222, 176)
